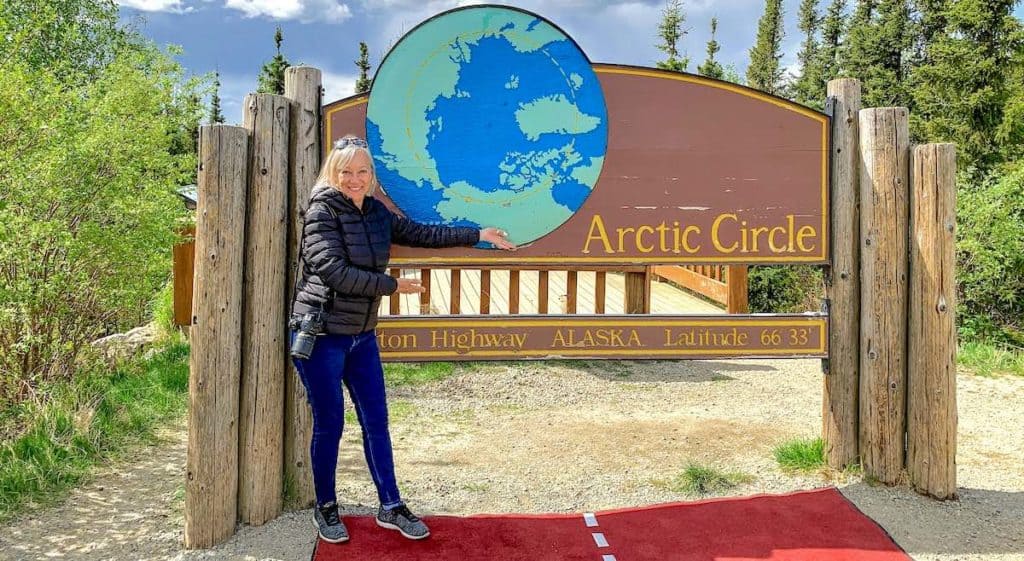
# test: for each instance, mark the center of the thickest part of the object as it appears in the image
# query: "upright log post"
(211, 481)
(261, 426)
(302, 88)
(884, 152)
(931, 361)
(842, 284)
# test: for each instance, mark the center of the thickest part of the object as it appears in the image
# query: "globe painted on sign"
(488, 116)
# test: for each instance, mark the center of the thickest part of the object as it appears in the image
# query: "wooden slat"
(513, 292)
(485, 291)
(570, 292)
(455, 305)
(395, 305)
(542, 292)
(600, 284)
(425, 295)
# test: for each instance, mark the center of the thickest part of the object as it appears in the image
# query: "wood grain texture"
(211, 481)
(302, 87)
(839, 415)
(884, 153)
(931, 344)
(261, 418)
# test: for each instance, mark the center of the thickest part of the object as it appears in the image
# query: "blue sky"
(236, 36)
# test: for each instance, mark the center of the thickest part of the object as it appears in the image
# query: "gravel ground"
(572, 437)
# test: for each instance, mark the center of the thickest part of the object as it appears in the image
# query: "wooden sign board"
(620, 164)
(427, 338)
(492, 116)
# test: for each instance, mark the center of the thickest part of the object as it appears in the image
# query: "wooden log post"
(261, 426)
(931, 345)
(839, 414)
(302, 86)
(884, 155)
(211, 480)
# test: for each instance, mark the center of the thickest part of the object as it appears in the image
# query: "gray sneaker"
(399, 518)
(328, 523)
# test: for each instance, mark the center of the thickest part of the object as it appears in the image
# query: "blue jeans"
(354, 360)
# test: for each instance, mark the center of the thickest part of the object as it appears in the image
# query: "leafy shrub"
(990, 257)
(784, 289)
(92, 149)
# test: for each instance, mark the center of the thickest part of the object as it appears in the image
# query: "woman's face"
(355, 178)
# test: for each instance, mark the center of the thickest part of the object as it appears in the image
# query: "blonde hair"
(340, 156)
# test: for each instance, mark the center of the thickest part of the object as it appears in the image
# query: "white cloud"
(175, 6)
(338, 86)
(325, 11)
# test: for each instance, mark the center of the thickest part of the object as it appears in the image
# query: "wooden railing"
(725, 284)
(558, 291)
(548, 290)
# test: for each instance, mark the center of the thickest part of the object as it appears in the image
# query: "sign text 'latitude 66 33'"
(490, 115)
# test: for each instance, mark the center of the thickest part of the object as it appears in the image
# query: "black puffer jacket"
(345, 257)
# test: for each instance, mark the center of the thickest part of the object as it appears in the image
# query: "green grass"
(801, 455)
(986, 359)
(699, 480)
(87, 421)
(411, 374)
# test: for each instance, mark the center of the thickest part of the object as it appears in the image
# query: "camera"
(307, 327)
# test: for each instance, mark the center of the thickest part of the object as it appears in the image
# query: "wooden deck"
(665, 298)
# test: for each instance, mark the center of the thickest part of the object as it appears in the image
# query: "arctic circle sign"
(605, 165)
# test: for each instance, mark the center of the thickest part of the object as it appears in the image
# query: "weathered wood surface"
(592, 288)
(261, 411)
(842, 286)
(931, 361)
(302, 86)
(183, 255)
(884, 153)
(211, 482)
(738, 280)
(692, 278)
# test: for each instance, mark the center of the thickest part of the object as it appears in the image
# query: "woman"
(346, 243)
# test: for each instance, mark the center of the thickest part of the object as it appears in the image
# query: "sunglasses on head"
(339, 144)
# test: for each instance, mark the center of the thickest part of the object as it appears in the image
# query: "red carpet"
(819, 525)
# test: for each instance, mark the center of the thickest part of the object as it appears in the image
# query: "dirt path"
(568, 438)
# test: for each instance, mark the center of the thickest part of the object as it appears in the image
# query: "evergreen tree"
(271, 79)
(809, 88)
(967, 91)
(711, 67)
(671, 31)
(831, 33)
(215, 115)
(363, 64)
(877, 51)
(764, 71)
